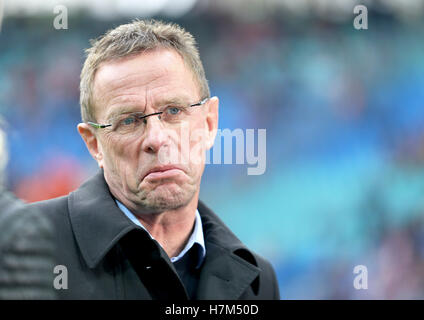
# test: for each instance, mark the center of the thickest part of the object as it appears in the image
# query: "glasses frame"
(102, 126)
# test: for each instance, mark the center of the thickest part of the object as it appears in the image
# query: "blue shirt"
(195, 237)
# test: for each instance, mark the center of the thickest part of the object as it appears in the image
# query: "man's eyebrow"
(121, 110)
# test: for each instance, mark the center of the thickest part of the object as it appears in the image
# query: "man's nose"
(154, 135)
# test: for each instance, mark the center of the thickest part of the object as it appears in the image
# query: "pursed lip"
(162, 169)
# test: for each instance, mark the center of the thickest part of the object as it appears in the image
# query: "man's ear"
(212, 121)
(88, 135)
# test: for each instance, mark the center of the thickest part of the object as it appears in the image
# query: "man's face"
(144, 83)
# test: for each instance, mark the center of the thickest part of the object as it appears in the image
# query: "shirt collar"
(196, 236)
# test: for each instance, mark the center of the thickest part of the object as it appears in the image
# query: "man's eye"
(173, 111)
(130, 120)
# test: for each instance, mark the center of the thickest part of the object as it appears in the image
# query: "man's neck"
(172, 228)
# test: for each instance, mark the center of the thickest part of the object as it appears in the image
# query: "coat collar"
(98, 224)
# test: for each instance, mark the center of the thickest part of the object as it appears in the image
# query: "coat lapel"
(224, 275)
(97, 222)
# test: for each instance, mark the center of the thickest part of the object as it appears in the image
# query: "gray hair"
(130, 39)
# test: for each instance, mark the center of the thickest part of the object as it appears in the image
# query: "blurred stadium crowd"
(344, 114)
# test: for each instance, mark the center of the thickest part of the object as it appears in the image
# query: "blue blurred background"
(343, 109)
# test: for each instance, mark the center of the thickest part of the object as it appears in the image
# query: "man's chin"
(165, 198)
(160, 205)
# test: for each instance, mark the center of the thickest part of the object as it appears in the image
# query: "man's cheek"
(197, 146)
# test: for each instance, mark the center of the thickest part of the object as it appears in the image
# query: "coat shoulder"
(51, 207)
(265, 286)
(56, 211)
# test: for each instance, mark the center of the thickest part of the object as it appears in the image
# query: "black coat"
(109, 257)
(26, 251)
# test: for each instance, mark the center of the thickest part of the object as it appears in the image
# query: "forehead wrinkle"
(116, 90)
(122, 86)
(131, 79)
(110, 83)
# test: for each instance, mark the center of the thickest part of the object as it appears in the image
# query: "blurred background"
(343, 109)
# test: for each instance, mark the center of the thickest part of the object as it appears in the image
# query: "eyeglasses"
(136, 121)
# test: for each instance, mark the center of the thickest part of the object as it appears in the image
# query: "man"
(137, 229)
(26, 246)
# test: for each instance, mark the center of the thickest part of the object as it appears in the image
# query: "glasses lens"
(174, 114)
(136, 122)
(129, 123)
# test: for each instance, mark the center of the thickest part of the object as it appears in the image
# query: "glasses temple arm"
(98, 125)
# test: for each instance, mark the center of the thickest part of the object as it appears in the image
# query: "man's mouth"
(162, 172)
